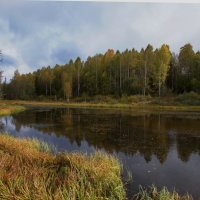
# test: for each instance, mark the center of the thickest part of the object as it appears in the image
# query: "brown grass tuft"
(29, 173)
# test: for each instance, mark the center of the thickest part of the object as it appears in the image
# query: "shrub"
(191, 98)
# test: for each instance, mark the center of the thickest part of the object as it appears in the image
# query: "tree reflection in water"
(118, 131)
(158, 148)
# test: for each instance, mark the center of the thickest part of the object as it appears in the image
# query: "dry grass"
(30, 171)
(7, 109)
(163, 194)
(166, 104)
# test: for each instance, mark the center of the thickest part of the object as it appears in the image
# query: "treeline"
(149, 71)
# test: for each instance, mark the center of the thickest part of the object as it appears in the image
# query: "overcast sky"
(37, 34)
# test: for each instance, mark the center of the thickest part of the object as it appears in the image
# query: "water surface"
(157, 148)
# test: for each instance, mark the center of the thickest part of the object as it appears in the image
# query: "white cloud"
(10, 50)
(45, 33)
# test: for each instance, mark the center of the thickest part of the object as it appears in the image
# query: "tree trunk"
(128, 74)
(145, 77)
(50, 87)
(46, 89)
(159, 86)
(96, 75)
(110, 79)
(78, 84)
(120, 78)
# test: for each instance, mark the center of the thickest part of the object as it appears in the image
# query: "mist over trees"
(156, 72)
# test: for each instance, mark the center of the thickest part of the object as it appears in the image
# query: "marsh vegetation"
(30, 171)
(147, 145)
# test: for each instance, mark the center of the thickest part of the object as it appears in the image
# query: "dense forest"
(155, 72)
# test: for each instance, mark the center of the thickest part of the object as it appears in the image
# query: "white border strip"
(125, 1)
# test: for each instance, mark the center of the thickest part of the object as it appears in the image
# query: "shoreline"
(28, 151)
(80, 176)
(37, 173)
(21, 104)
(8, 109)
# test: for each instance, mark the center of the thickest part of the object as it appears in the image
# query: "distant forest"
(155, 72)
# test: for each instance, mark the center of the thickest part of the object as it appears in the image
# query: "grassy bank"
(30, 171)
(7, 108)
(154, 194)
(184, 102)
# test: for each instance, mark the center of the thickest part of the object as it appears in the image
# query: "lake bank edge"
(9, 109)
(153, 193)
(95, 176)
(137, 106)
(61, 175)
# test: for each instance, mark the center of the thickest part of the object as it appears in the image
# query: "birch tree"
(161, 66)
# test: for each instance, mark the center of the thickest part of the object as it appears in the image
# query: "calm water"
(158, 148)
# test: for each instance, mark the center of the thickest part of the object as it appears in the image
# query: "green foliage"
(6, 109)
(136, 99)
(21, 86)
(131, 72)
(191, 98)
(161, 66)
(154, 194)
